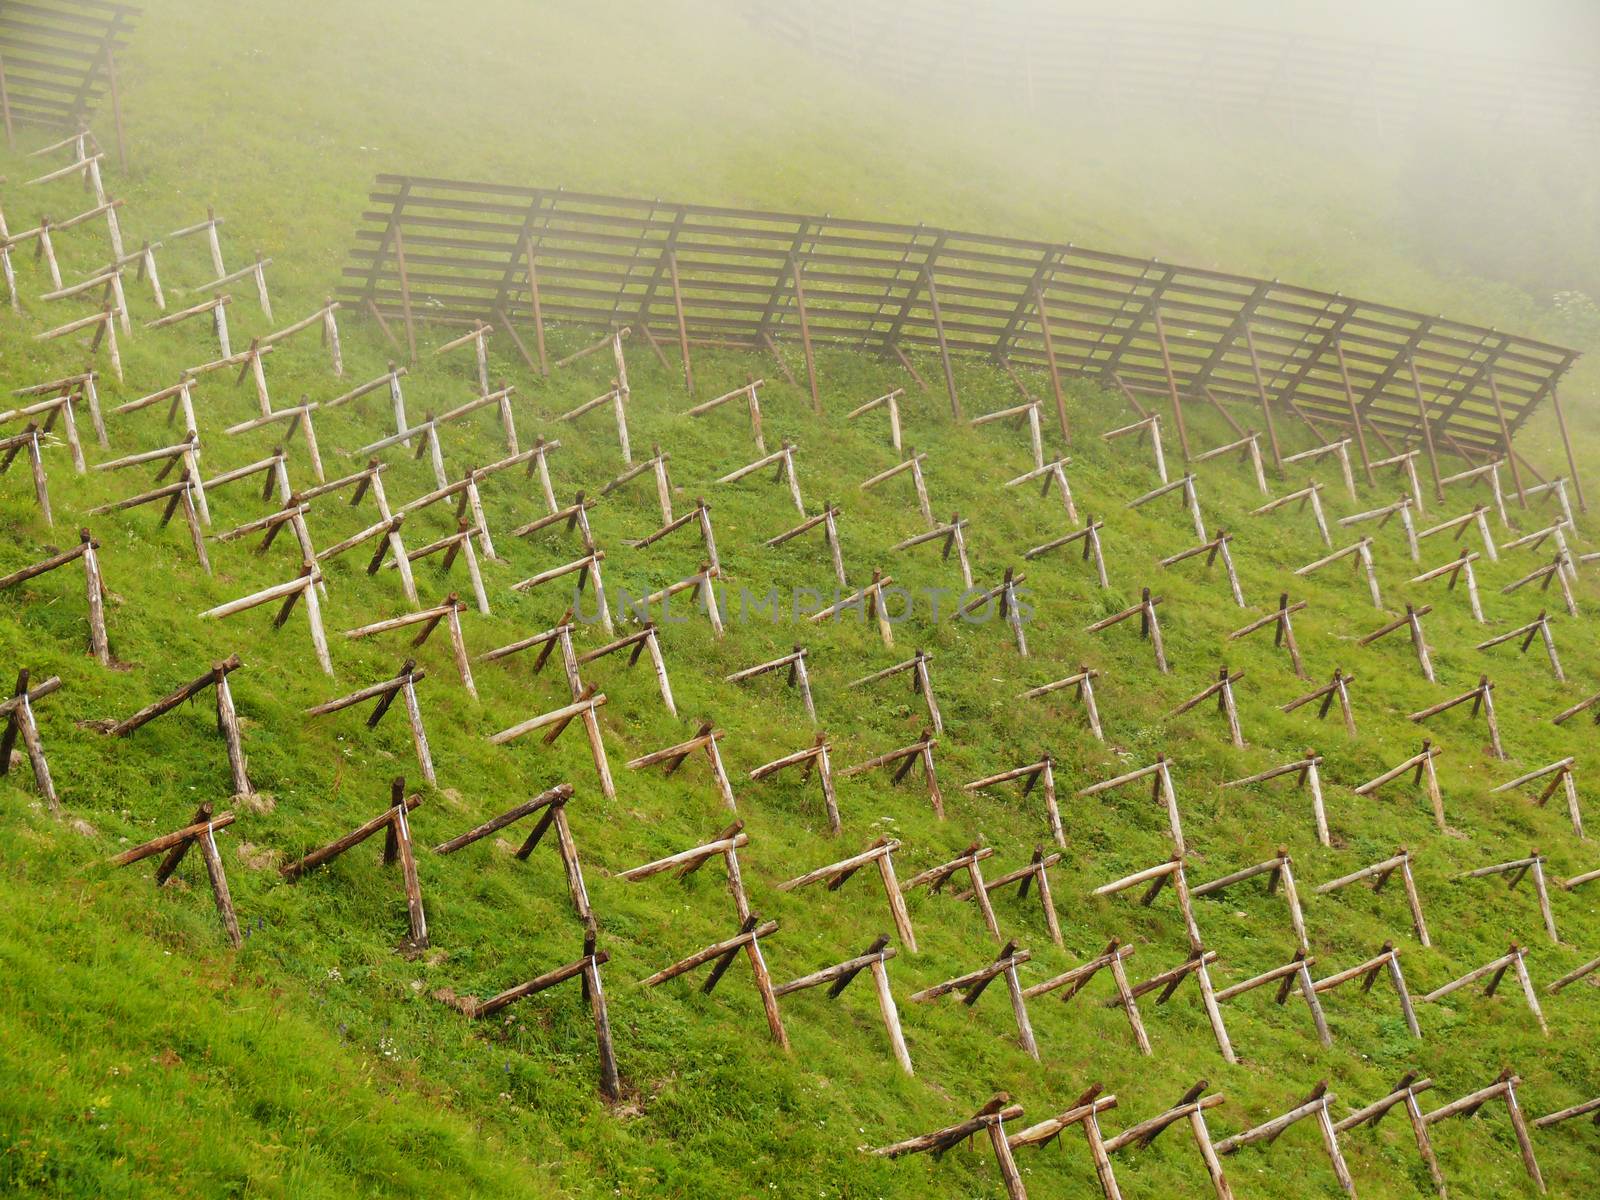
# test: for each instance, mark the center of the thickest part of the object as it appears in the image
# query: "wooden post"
(20, 720)
(200, 832)
(1380, 873)
(880, 852)
(1306, 769)
(1083, 682)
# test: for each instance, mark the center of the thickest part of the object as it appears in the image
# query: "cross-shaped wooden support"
(751, 395)
(457, 544)
(500, 400)
(227, 717)
(17, 709)
(427, 434)
(1161, 791)
(478, 338)
(1459, 525)
(1053, 474)
(1532, 867)
(934, 878)
(271, 525)
(1337, 688)
(184, 454)
(1010, 609)
(1555, 570)
(701, 585)
(448, 614)
(890, 403)
(1387, 960)
(912, 463)
(217, 307)
(59, 407)
(402, 685)
(954, 538)
(814, 756)
(1339, 450)
(1190, 499)
(256, 272)
(1405, 466)
(583, 706)
(1315, 1106)
(11, 447)
(1380, 873)
(1089, 535)
(587, 569)
(655, 465)
(726, 845)
(1412, 621)
(323, 317)
(1222, 689)
(1564, 772)
(1291, 976)
(72, 387)
(180, 494)
(1504, 1087)
(617, 398)
(1191, 1107)
(1404, 1094)
(1149, 625)
(1556, 533)
(1249, 448)
(1073, 981)
(1489, 474)
(784, 458)
(1362, 552)
(1024, 877)
(1282, 630)
(389, 381)
(871, 600)
(989, 1119)
(1215, 548)
(1422, 763)
(1482, 697)
(837, 874)
(1279, 870)
(699, 516)
(747, 939)
(587, 968)
(44, 248)
(1032, 775)
(1310, 494)
(201, 832)
(1309, 778)
(1084, 1112)
(973, 983)
(798, 678)
(1082, 681)
(575, 515)
(298, 418)
(303, 586)
(108, 280)
(920, 751)
(673, 757)
(209, 227)
(921, 684)
(387, 541)
(1540, 628)
(1029, 412)
(874, 960)
(397, 847)
(104, 325)
(641, 640)
(551, 805)
(1458, 569)
(1555, 489)
(1151, 425)
(827, 519)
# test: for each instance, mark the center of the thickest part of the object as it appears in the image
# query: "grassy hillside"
(143, 1057)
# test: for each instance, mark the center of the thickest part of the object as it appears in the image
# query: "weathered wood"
(919, 752)
(1379, 873)
(1482, 697)
(1564, 772)
(20, 721)
(1222, 689)
(798, 677)
(1162, 790)
(1312, 495)
(1151, 425)
(748, 940)
(1362, 552)
(673, 757)
(1188, 496)
(814, 756)
(1149, 626)
(1422, 763)
(583, 707)
(881, 852)
(1533, 868)
(1083, 681)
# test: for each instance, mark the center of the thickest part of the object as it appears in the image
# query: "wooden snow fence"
(1459, 525)
(200, 831)
(797, 677)
(1314, 1107)
(655, 465)
(1279, 870)
(912, 463)
(448, 614)
(1555, 570)
(1190, 1108)
(1222, 689)
(839, 976)
(1503, 1088)
(1072, 981)
(1457, 570)
(827, 521)
(396, 827)
(1513, 960)
(953, 536)
(216, 307)
(1310, 494)
(1080, 682)
(973, 984)
(1386, 961)
(303, 586)
(1540, 628)
(1401, 508)
(1361, 552)
(177, 495)
(1380, 874)
(1531, 867)
(814, 757)
(87, 550)
(1337, 689)
(1423, 774)
(1292, 976)
(1149, 626)
(1051, 475)
(726, 845)
(1149, 426)
(1338, 451)
(22, 724)
(921, 684)
(1089, 535)
(1481, 697)
(55, 408)
(11, 447)
(555, 722)
(227, 717)
(641, 641)
(1010, 607)
(551, 805)
(890, 403)
(935, 878)
(1161, 791)
(989, 1120)
(1563, 773)
(1216, 548)
(1308, 777)
(700, 516)
(903, 760)
(880, 854)
(722, 954)
(71, 387)
(402, 685)
(1249, 448)
(1403, 1095)
(1189, 500)
(705, 740)
(1039, 774)
(586, 968)
(750, 394)
(1035, 872)
(783, 459)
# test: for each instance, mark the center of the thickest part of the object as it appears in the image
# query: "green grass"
(142, 1057)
